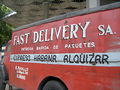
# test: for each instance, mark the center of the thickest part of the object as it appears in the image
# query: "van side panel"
(83, 51)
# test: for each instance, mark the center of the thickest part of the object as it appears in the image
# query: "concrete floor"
(14, 88)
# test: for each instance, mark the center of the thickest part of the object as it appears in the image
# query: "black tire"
(54, 85)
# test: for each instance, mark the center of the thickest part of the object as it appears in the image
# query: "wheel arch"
(49, 78)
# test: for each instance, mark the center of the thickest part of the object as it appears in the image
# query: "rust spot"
(93, 63)
(65, 22)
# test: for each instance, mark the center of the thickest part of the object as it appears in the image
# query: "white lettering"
(57, 32)
(74, 29)
(27, 35)
(101, 29)
(65, 28)
(41, 36)
(51, 35)
(46, 35)
(84, 28)
(21, 38)
(109, 30)
(35, 37)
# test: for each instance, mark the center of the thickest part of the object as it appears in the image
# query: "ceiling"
(29, 11)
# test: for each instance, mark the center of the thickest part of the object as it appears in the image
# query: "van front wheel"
(54, 85)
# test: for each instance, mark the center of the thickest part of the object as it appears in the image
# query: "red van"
(75, 51)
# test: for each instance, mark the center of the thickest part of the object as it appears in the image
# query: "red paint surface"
(74, 77)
